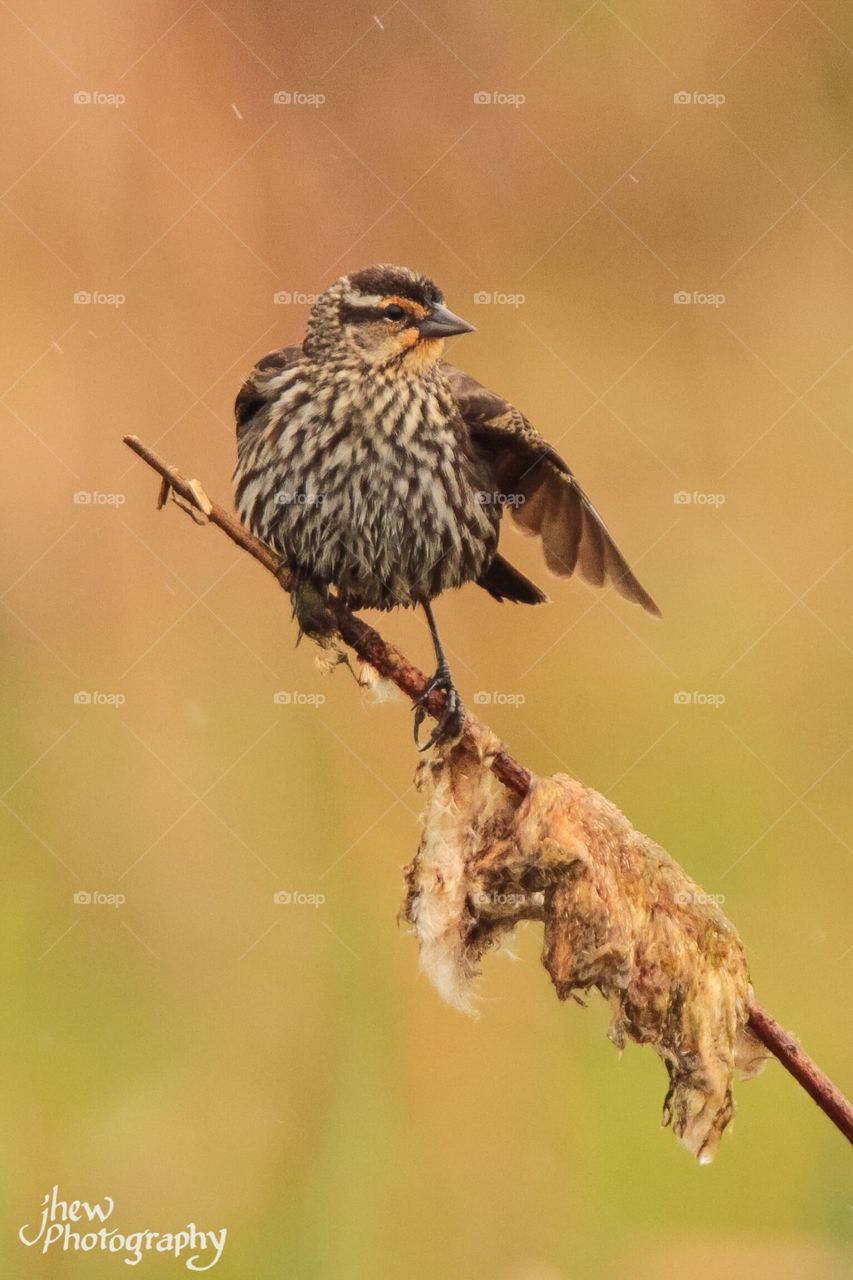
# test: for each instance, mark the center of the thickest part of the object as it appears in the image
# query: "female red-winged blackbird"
(370, 465)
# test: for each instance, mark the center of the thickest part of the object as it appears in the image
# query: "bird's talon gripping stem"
(452, 718)
(309, 600)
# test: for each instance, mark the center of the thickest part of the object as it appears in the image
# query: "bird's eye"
(394, 312)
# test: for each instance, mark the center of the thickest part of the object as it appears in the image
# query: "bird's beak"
(441, 323)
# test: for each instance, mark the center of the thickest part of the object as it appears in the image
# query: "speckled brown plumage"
(373, 467)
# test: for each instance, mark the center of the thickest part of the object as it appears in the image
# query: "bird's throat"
(423, 354)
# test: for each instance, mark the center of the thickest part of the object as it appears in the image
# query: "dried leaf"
(201, 499)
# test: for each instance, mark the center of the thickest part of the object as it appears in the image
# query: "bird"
(373, 467)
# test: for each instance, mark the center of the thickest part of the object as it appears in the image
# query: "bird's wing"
(254, 393)
(543, 495)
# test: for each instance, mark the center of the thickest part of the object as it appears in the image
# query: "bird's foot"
(452, 719)
(309, 600)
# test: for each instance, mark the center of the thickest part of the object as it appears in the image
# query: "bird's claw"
(452, 718)
(309, 601)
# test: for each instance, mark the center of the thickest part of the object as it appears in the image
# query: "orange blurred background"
(200, 1052)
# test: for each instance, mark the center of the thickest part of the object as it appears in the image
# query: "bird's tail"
(504, 582)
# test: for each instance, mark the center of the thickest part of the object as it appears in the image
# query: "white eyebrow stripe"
(363, 299)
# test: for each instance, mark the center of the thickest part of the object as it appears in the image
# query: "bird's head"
(385, 316)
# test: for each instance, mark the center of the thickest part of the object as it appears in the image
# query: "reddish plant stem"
(391, 664)
(805, 1071)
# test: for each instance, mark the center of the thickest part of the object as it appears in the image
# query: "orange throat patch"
(422, 352)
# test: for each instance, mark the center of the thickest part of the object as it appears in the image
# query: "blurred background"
(645, 210)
